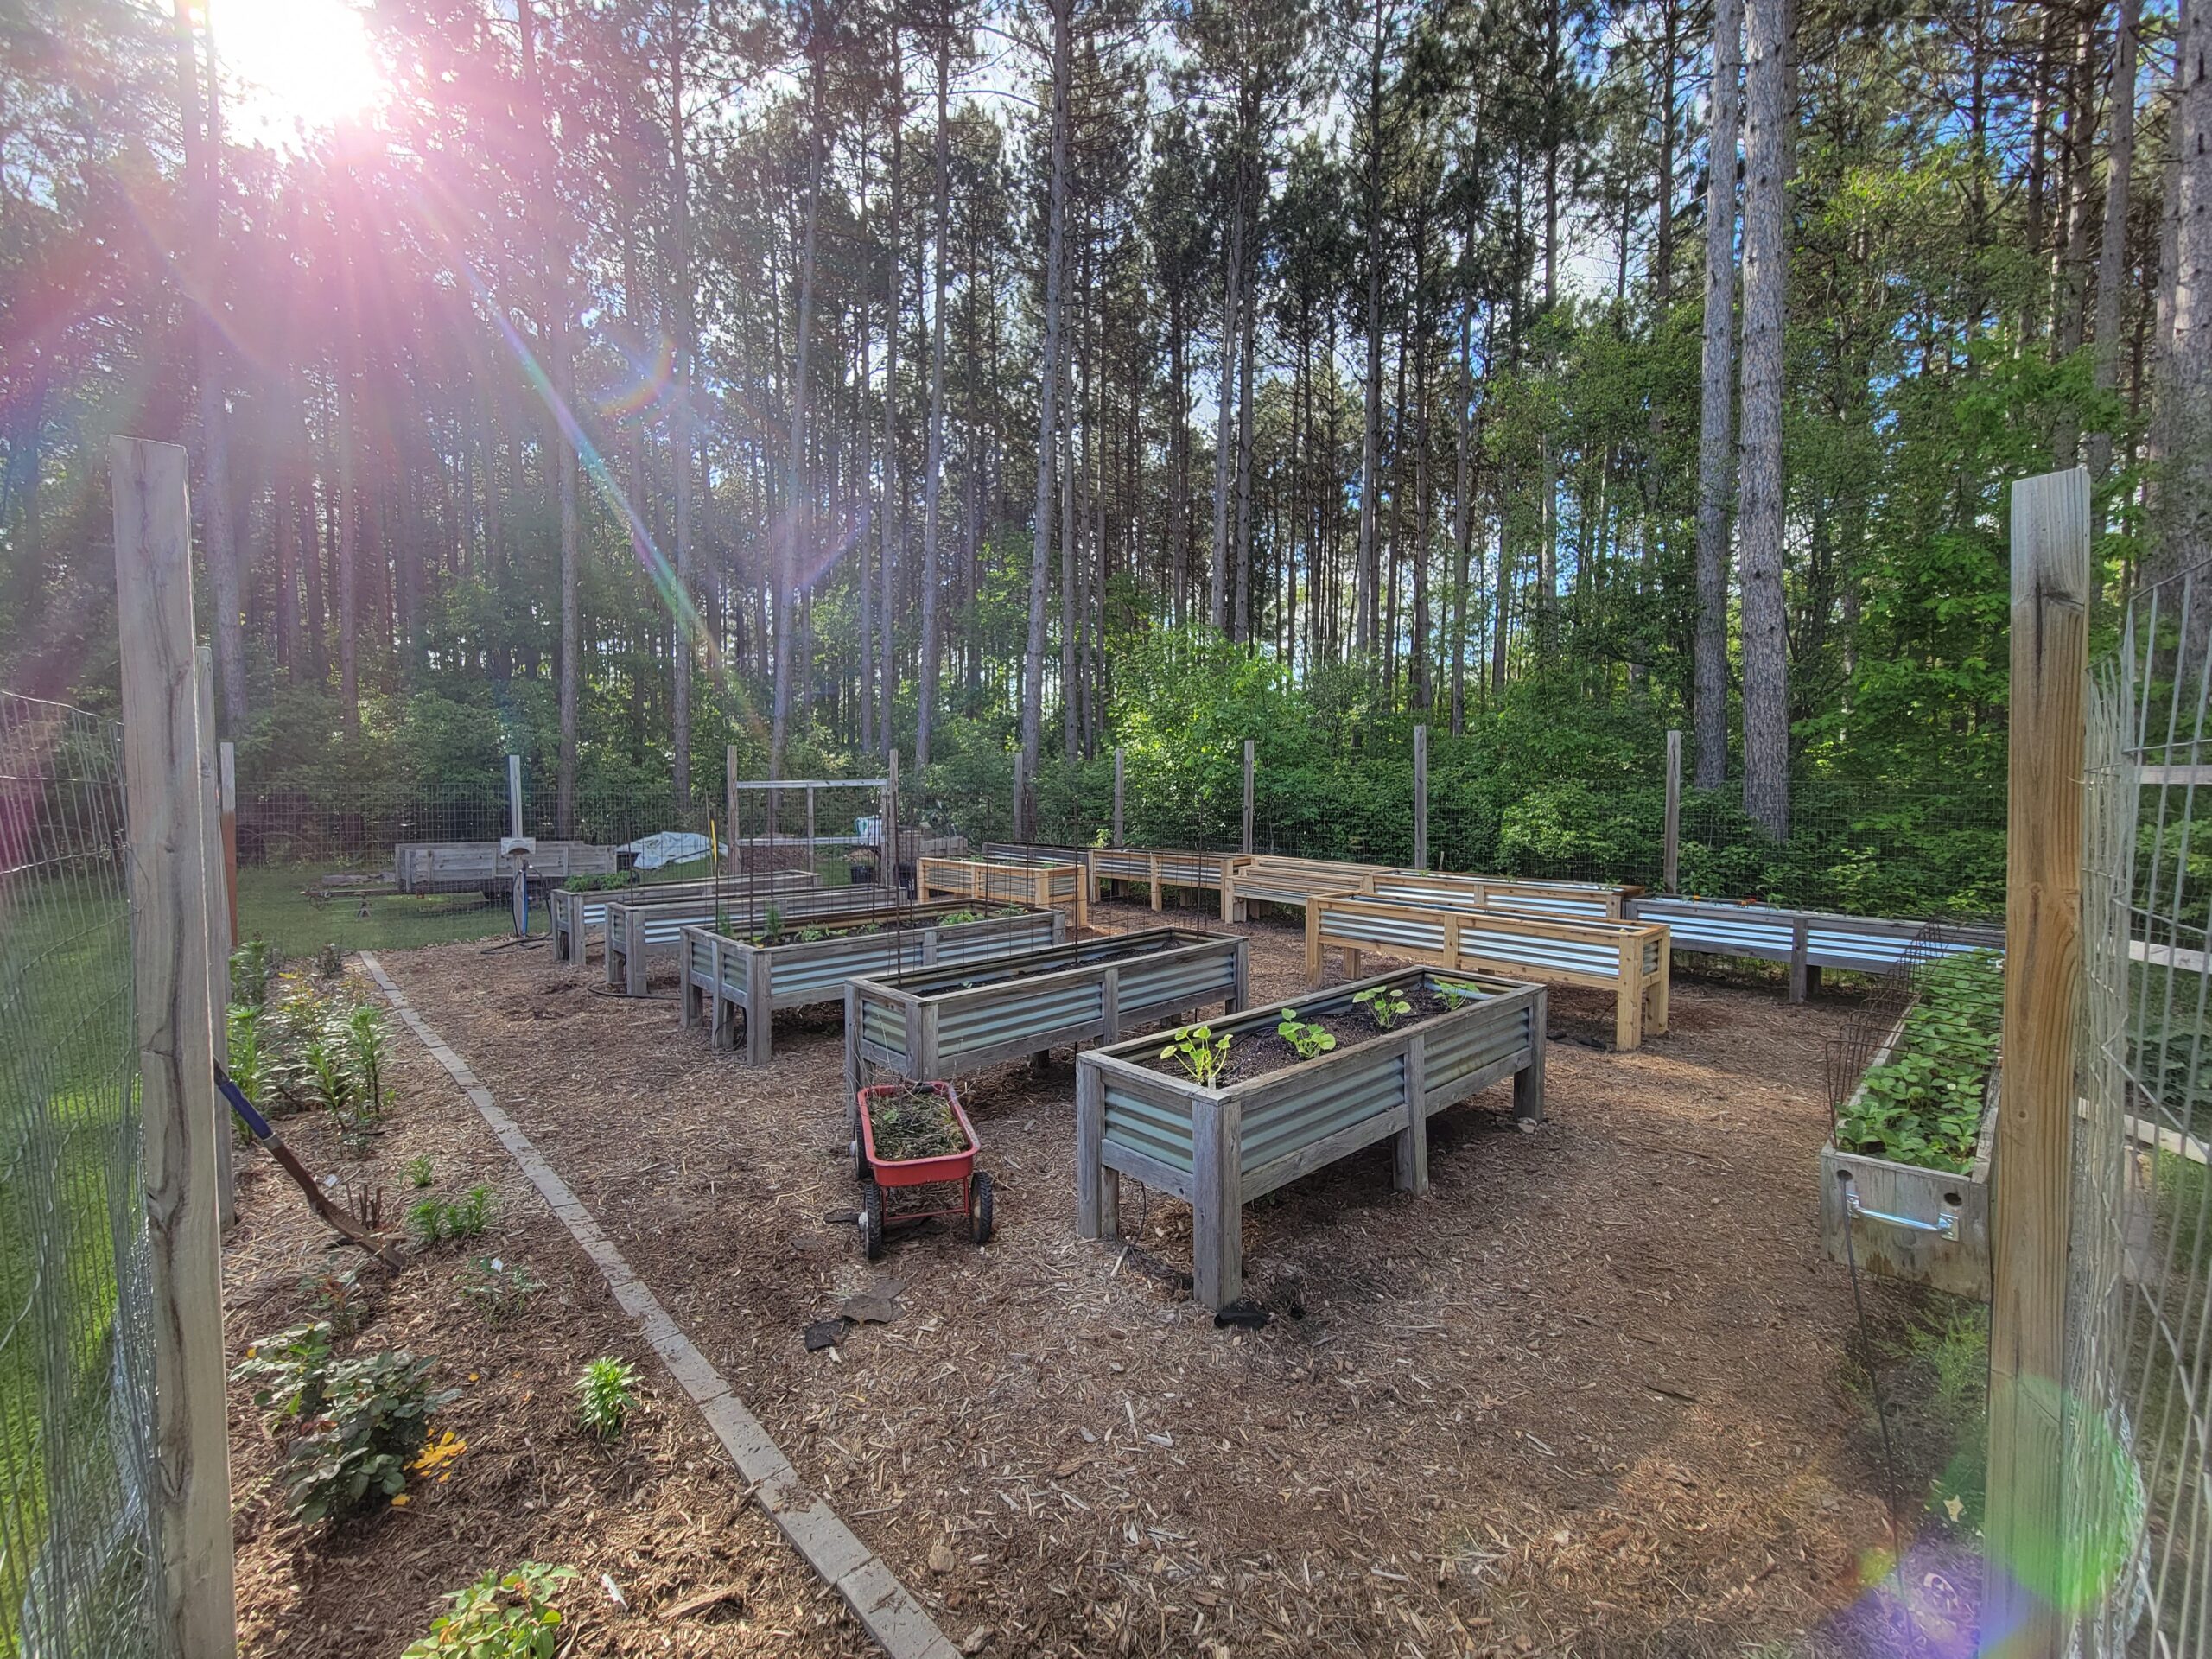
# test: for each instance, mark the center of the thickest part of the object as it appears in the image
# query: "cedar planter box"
(1561, 900)
(727, 981)
(942, 1021)
(578, 915)
(1217, 1149)
(1136, 867)
(1290, 882)
(1902, 1221)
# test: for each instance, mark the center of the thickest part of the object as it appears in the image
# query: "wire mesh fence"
(76, 1338)
(2137, 1569)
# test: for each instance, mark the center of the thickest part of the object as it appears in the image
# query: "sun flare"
(300, 64)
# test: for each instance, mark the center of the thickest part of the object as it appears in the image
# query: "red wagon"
(891, 1175)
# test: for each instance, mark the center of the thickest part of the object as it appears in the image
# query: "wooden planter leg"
(1216, 1208)
(760, 1012)
(1411, 1171)
(1096, 1188)
(852, 1059)
(1529, 1081)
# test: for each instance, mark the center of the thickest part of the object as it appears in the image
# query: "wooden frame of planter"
(1046, 885)
(1627, 958)
(1136, 867)
(726, 979)
(1217, 1149)
(576, 913)
(940, 1022)
(635, 931)
(1574, 902)
(1923, 1226)
(1267, 879)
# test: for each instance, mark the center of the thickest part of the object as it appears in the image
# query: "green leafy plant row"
(1922, 1104)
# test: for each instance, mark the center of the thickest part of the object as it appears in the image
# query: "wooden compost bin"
(461, 865)
(1628, 959)
(577, 916)
(1217, 1149)
(1924, 1226)
(726, 978)
(942, 1021)
(1142, 866)
(1046, 885)
(1806, 940)
(636, 931)
(1571, 900)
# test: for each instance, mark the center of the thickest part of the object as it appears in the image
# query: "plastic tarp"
(669, 846)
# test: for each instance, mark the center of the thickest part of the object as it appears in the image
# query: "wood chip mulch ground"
(1585, 1396)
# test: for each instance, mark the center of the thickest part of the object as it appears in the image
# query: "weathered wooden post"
(1674, 806)
(1249, 748)
(1117, 799)
(218, 935)
(1420, 798)
(174, 1014)
(2031, 1200)
(517, 848)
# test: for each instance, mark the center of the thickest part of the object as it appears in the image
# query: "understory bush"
(1922, 1103)
(501, 1616)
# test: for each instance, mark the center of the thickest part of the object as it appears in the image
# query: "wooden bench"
(1135, 866)
(578, 915)
(1629, 959)
(1290, 882)
(1046, 886)
(729, 980)
(1806, 941)
(1576, 900)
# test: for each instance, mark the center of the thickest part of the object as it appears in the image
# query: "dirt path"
(1580, 1397)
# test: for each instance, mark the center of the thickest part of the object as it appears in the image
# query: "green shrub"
(509, 1616)
(604, 1394)
(417, 1170)
(434, 1219)
(359, 1420)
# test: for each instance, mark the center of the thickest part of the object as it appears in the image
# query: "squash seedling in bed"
(1311, 1040)
(1455, 997)
(604, 1394)
(1386, 1002)
(1200, 1053)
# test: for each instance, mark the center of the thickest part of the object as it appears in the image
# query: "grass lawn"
(273, 906)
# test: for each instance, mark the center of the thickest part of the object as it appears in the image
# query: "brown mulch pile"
(1583, 1397)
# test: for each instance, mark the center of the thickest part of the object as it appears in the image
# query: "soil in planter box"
(1254, 1054)
(919, 1123)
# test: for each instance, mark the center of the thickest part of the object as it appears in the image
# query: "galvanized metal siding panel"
(884, 1024)
(1353, 1094)
(1012, 1016)
(988, 941)
(1599, 958)
(733, 966)
(1181, 980)
(1145, 1126)
(1722, 930)
(1567, 905)
(1407, 931)
(1458, 1047)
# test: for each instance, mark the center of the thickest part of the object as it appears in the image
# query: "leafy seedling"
(604, 1394)
(1310, 1041)
(1200, 1053)
(1386, 1003)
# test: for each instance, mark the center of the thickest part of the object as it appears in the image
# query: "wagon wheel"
(860, 1159)
(872, 1222)
(979, 1209)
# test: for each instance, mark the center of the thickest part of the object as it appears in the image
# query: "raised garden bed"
(1137, 867)
(1565, 901)
(1905, 1179)
(1044, 884)
(580, 912)
(940, 1022)
(1217, 1147)
(638, 931)
(728, 980)
(1806, 941)
(1290, 882)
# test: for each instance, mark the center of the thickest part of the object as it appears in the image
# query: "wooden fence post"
(196, 1607)
(218, 938)
(1420, 798)
(1674, 807)
(1117, 794)
(1249, 749)
(2031, 1210)
(226, 768)
(729, 804)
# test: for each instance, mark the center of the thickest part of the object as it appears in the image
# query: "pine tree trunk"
(893, 534)
(1224, 448)
(1766, 672)
(933, 476)
(1032, 667)
(1716, 473)
(785, 555)
(682, 615)
(2112, 256)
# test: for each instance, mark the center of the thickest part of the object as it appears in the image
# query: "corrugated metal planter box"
(726, 978)
(1807, 940)
(1045, 885)
(943, 1022)
(1217, 1149)
(1629, 959)
(639, 931)
(1141, 867)
(1565, 901)
(1924, 1226)
(1290, 882)
(578, 916)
